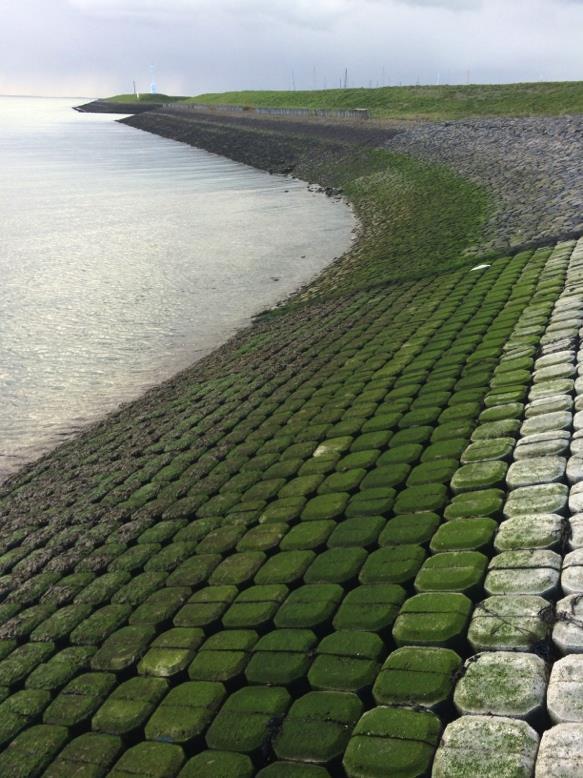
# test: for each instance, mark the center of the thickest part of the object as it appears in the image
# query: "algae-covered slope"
(422, 102)
(222, 578)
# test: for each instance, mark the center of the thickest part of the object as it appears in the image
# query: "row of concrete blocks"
(506, 691)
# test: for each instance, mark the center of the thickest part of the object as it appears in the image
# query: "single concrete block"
(546, 422)
(486, 746)
(555, 359)
(542, 530)
(502, 683)
(487, 450)
(576, 531)
(577, 442)
(568, 629)
(543, 498)
(524, 572)
(572, 573)
(510, 623)
(553, 404)
(576, 498)
(549, 388)
(565, 692)
(578, 421)
(575, 469)
(560, 370)
(479, 475)
(536, 470)
(561, 752)
(552, 445)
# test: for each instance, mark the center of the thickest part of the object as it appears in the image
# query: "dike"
(289, 559)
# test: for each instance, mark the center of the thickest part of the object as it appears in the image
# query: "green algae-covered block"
(170, 557)
(412, 528)
(479, 475)
(23, 622)
(255, 606)
(149, 760)
(135, 558)
(160, 606)
(212, 764)
(293, 770)
(325, 506)
(122, 649)
(453, 571)
(307, 536)
(221, 540)
(360, 532)
(19, 711)
(22, 661)
(506, 428)
(403, 739)
(337, 565)
(420, 417)
(32, 751)
(206, 606)
(263, 538)
(287, 567)
(486, 503)
(371, 607)
(417, 677)
(372, 439)
(281, 657)
(193, 571)
(61, 623)
(79, 699)
(358, 460)
(60, 668)
(392, 564)
(464, 535)
(446, 449)
(185, 712)
(430, 498)
(460, 412)
(244, 722)
(139, 588)
(130, 704)
(346, 661)
(171, 652)
(97, 627)
(284, 510)
(302, 486)
(309, 606)
(436, 619)
(317, 726)
(103, 588)
(412, 435)
(499, 412)
(90, 756)
(438, 471)
(346, 481)
(492, 449)
(237, 568)
(452, 431)
(391, 475)
(371, 502)
(223, 656)
(406, 454)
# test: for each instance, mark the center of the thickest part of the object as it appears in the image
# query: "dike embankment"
(225, 577)
(104, 106)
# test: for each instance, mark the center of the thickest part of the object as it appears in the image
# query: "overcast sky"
(97, 47)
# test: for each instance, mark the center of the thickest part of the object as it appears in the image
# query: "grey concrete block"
(509, 623)
(561, 752)
(502, 683)
(543, 498)
(536, 470)
(562, 420)
(568, 629)
(539, 530)
(524, 572)
(486, 746)
(572, 572)
(565, 692)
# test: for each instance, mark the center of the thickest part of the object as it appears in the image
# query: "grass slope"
(423, 102)
(145, 97)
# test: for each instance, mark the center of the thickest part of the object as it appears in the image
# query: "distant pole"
(136, 95)
(293, 80)
(346, 78)
(383, 79)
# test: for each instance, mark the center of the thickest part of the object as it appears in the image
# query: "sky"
(99, 47)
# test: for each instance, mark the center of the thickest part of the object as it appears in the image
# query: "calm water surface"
(125, 257)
